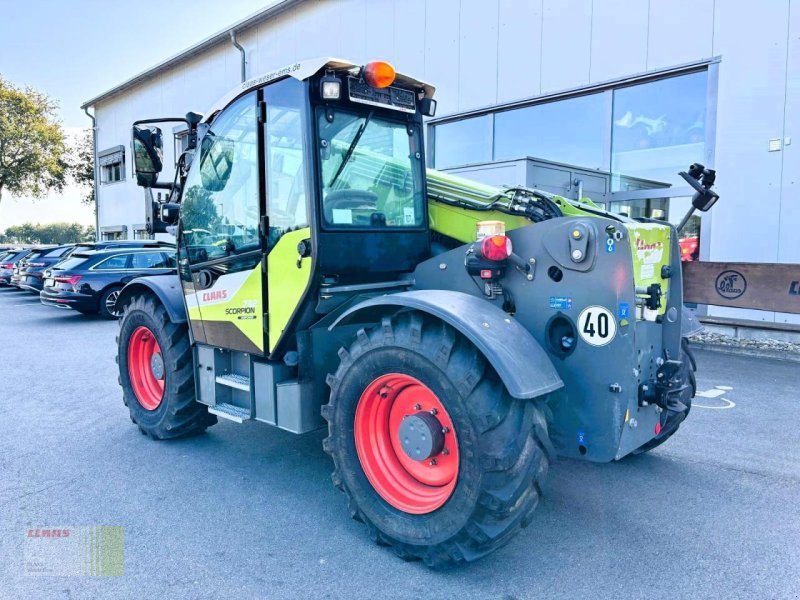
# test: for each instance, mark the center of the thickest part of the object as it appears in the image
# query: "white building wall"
(484, 52)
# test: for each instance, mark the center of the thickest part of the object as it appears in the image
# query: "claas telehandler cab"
(454, 337)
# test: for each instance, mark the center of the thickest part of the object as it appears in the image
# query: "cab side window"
(220, 207)
(286, 162)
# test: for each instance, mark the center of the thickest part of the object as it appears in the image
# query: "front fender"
(166, 287)
(519, 360)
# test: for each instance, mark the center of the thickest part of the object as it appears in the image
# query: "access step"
(232, 380)
(230, 412)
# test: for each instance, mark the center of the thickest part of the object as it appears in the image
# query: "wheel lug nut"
(445, 430)
(417, 406)
(433, 462)
(434, 411)
(445, 451)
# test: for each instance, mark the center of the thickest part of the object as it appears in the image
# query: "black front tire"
(503, 443)
(178, 414)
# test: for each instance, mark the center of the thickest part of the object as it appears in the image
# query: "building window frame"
(711, 66)
(111, 164)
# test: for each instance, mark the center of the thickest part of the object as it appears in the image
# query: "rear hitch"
(667, 389)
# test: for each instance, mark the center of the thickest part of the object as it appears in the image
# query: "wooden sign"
(763, 286)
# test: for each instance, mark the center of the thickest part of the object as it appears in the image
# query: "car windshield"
(371, 171)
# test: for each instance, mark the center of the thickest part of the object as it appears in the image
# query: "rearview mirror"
(701, 179)
(148, 154)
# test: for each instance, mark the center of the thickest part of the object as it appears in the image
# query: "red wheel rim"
(146, 368)
(413, 486)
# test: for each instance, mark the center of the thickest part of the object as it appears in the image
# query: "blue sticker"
(610, 245)
(562, 302)
(624, 310)
(582, 437)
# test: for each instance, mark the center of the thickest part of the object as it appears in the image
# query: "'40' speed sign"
(596, 325)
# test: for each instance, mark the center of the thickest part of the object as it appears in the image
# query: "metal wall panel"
(619, 39)
(681, 31)
(752, 85)
(789, 218)
(409, 37)
(566, 43)
(477, 64)
(442, 52)
(519, 49)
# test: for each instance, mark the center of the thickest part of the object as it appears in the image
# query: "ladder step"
(231, 412)
(239, 382)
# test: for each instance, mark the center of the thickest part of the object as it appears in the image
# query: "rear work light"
(496, 247)
(72, 280)
(379, 74)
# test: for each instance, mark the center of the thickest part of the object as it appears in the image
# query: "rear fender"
(167, 289)
(519, 360)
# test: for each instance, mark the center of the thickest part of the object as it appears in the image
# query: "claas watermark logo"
(75, 551)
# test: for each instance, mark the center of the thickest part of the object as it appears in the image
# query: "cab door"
(287, 191)
(220, 242)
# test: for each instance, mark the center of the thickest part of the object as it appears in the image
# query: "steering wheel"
(349, 200)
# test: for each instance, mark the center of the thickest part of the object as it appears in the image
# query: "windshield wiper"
(352, 147)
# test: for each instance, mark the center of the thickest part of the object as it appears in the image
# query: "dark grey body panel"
(601, 383)
(168, 290)
(517, 357)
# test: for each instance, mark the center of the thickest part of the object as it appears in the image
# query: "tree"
(82, 164)
(32, 150)
(50, 233)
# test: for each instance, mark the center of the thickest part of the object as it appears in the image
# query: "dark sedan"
(30, 275)
(90, 282)
(8, 261)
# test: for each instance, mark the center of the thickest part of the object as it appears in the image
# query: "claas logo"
(216, 295)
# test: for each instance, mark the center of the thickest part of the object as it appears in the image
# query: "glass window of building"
(463, 142)
(658, 129)
(569, 131)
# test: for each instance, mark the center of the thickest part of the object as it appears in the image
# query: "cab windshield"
(371, 171)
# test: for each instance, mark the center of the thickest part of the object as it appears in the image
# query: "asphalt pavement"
(249, 511)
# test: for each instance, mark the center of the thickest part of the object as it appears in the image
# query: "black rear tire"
(675, 418)
(503, 443)
(178, 414)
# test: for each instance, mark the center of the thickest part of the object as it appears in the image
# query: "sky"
(74, 50)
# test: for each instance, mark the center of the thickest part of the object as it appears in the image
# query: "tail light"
(71, 280)
(7, 266)
(496, 247)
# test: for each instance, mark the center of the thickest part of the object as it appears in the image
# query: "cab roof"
(308, 68)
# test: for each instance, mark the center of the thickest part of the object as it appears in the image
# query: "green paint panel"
(286, 283)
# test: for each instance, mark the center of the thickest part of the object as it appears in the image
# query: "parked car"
(30, 270)
(111, 244)
(8, 262)
(90, 282)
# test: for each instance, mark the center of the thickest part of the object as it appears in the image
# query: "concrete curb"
(747, 351)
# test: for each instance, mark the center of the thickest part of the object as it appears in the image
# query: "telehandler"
(455, 337)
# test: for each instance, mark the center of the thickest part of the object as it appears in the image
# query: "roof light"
(379, 74)
(330, 87)
(496, 247)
